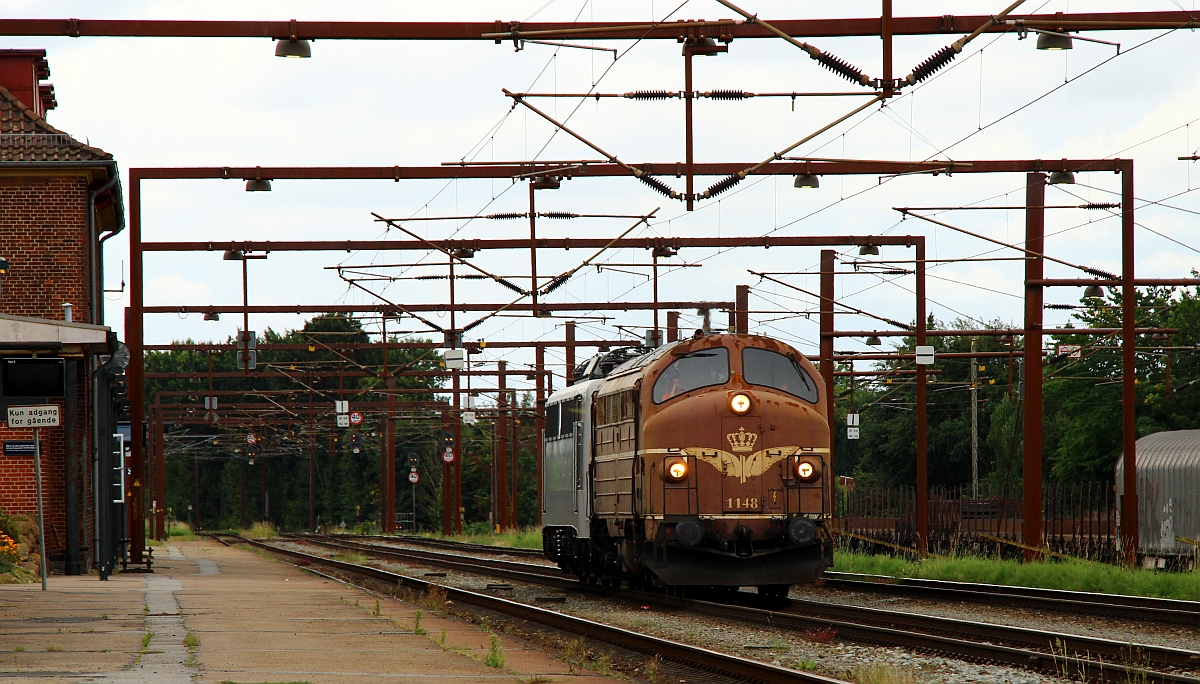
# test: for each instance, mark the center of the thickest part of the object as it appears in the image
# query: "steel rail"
(691, 656)
(857, 623)
(1089, 603)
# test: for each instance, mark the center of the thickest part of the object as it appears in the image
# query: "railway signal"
(413, 459)
(356, 442)
(447, 446)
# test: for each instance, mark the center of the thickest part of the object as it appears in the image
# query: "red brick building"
(59, 201)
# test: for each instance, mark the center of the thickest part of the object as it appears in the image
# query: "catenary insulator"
(837, 66)
(650, 95)
(657, 185)
(510, 286)
(558, 215)
(729, 95)
(722, 185)
(927, 68)
(555, 284)
(508, 215)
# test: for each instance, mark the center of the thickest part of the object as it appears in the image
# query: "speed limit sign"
(414, 477)
(251, 439)
(448, 455)
(356, 418)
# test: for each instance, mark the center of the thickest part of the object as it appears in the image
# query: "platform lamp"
(297, 48)
(1048, 40)
(868, 250)
(1061, 178)
(212, 316)
(807, 180)
(1093, 292)
(874, 341)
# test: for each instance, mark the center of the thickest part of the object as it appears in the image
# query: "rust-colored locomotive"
(700, 463)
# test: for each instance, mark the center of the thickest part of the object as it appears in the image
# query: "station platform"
(219, 614)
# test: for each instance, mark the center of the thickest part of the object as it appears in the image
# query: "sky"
(230, 102)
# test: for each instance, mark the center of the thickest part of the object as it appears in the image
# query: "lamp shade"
(1053, 41)
(868, 250)
(545, 183)
(1093, 292)
(212, 316)
(301, 48)
(1062, 178)
(874, 341)
(233, 255)
(807, 180)
(258, 185)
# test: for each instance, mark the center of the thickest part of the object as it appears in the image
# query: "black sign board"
(34, 377)
(18, 447)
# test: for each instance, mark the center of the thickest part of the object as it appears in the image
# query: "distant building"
(1168, 491)
(60, 199)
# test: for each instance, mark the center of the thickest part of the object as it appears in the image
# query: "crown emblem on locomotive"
(742, 440)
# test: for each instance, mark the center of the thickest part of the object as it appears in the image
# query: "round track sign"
(356, 418)
(414, 477)
(251, 439)
(448, 455)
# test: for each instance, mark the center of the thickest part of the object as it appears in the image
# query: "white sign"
(852, 433)
(413, 477)
(448, 455)
(1070, 350)
(356, 418)
(341, 406)
(469, 417)
(343, 420)
(251, 439)
(455, 359)
(924, 355)
(852, 419)
(33, 416)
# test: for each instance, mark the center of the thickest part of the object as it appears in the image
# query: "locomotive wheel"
(774, 590)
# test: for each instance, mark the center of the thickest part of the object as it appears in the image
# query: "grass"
(146, 637)
(526, 538)
(191, 641)
(259, 530)
(882, 674)
(495, 655)
(1056, 574)
(54, 649)
(180, 531)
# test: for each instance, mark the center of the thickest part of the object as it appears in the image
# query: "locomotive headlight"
(808, 470)
(675, 470)
(739, 403)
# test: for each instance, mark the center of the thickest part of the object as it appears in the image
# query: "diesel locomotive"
(702, 463)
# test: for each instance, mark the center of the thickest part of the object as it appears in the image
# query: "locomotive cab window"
(699, 369)
(772, 369)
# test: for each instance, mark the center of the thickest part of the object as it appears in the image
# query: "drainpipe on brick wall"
(97, 244)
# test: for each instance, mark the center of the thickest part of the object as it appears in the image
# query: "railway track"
(1085, 603)
(1051, 652)
(728, 666)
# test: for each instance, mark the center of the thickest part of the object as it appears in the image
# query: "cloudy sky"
(230, 102)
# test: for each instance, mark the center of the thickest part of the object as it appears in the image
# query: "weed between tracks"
(882, 674)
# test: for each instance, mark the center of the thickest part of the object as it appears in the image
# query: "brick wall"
(43, 234)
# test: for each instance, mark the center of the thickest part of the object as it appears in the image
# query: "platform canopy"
(20, 332)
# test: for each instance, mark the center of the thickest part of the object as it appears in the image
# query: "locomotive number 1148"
(751, 502)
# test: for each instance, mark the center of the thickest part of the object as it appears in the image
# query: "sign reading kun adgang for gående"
(32, 416)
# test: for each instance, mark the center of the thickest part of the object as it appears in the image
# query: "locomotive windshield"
(693, 371)
(772, 369)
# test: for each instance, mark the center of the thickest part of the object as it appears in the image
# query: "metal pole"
(657, 339)
(742, 304)
(687, 126)
(922, 418)
(1129, 502)
(135, 374)
(501, 484)
(447, 487)
(1031, 469)
(828, 259)
(532, 251)
(974, 426)
(540, 429)
(885, 32)
(37, 469)
(569, 374)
